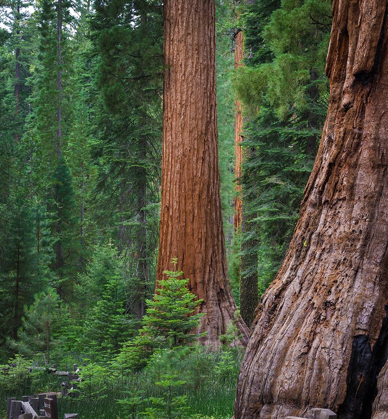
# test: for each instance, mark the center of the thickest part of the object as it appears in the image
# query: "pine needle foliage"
(44, 320)
(170, 314)
(169, 322)
(284, 89)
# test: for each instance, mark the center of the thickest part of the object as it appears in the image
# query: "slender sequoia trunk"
(238, 127)
(191, 221)
(320, 335)
(249, 293)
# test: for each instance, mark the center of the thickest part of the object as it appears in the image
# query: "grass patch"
(177, 383)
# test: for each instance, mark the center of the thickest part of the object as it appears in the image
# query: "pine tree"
(127, 44)
(19, 265)
(42, 326)
(19, 272)
(107, 325)
(49, 134)
(171, 320)
(284, 81)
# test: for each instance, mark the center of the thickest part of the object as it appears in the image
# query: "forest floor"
(177, 383)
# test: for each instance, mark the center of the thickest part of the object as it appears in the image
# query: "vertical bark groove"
(191, 221)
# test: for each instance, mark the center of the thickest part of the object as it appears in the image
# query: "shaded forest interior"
(82, 116)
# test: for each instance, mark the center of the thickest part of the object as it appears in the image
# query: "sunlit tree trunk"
(191, 221)
(320, 337)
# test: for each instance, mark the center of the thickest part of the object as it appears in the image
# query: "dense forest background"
(80, 168)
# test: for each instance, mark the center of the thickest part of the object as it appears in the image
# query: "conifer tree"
(19, 278)
(42, 326)
(284, 81)
(127, 47)
(191, 220)
(52, 180)
(19, 266)
(171, 320)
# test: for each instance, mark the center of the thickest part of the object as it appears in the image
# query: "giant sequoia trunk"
(320, 336)
(191, 221)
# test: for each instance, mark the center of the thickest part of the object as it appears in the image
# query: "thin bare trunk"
(191, 221)
(238, 127)
(321, 332)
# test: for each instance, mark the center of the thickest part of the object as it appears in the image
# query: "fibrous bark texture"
(320, 335)
(191, 221)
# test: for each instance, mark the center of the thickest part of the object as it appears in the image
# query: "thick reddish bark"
(319, 336)
(191, 221)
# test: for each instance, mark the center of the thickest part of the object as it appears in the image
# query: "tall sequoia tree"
(191, 220)
(238, 127)
(320, 335)
(247, 262)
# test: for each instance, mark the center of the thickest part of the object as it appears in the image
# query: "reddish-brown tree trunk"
(320, 337)
(191, 221)
(238, 127)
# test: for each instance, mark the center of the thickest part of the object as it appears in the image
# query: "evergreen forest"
(81, 127)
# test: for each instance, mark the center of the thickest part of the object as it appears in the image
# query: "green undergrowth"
(184, 382)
